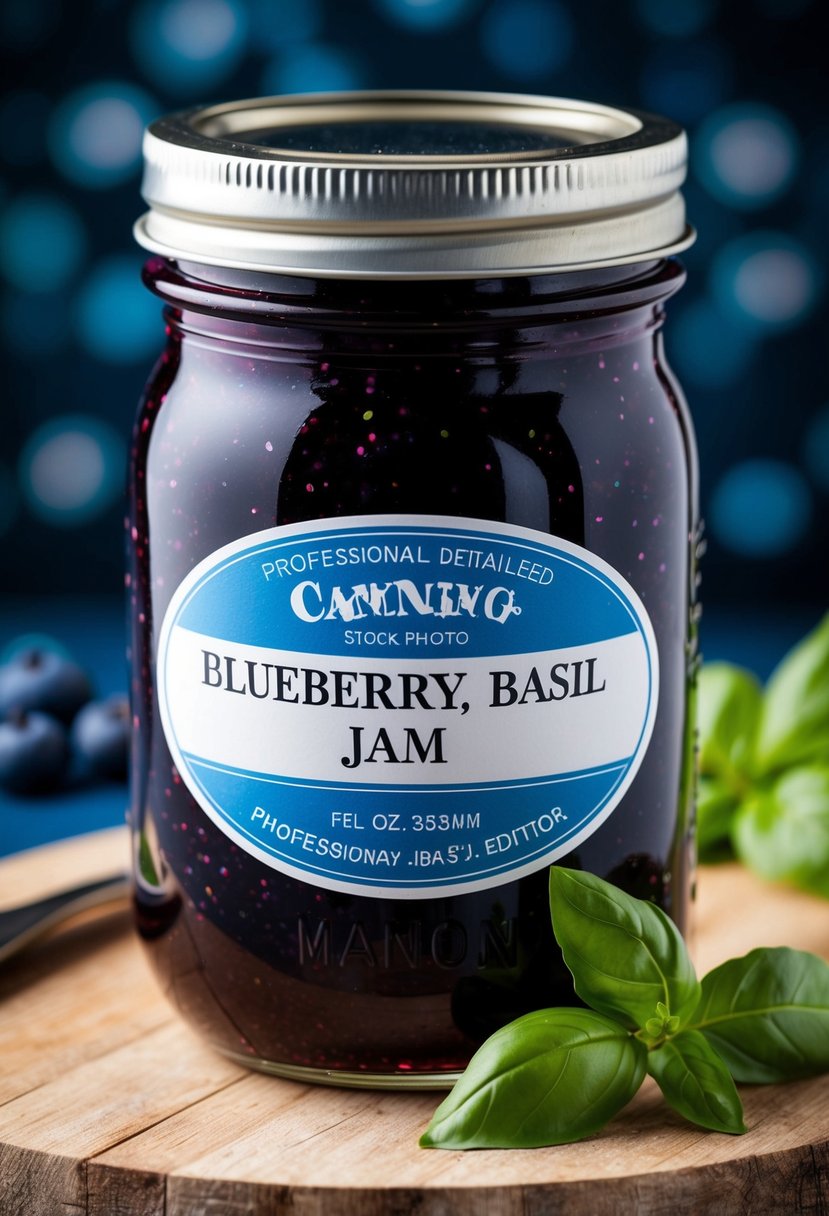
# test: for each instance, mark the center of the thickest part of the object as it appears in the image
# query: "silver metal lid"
(410, 184)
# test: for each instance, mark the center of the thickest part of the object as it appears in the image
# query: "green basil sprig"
(696, 1082)
(550, 1077)
(557, 1075)
(626, 956)
(766, 1015)
(764, 766)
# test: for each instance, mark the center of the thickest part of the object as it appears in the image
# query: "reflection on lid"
(420, 138)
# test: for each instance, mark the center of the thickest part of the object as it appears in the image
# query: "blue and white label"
(406, 705)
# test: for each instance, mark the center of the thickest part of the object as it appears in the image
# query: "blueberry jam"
(536, 400)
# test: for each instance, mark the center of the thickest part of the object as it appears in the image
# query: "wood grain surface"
(109, 1106)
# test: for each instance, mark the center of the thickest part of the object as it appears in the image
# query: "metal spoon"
(22, 925)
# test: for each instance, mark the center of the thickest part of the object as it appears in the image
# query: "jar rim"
(414, 183)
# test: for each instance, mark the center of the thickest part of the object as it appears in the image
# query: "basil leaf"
(146, 864)
(715, 814)
(816, 881)
(728, 713)
(696, 1083)
(767, 1014)
(783, 833)
(794, 724)
(550, 1077)
(625, 955)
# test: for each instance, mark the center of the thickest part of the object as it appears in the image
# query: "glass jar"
(412, 565)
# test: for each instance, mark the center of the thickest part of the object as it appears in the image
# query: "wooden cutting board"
(109, 1106)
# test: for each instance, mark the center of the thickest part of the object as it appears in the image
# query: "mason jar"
(411, 565)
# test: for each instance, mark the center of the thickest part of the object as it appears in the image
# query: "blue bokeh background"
(747, 336)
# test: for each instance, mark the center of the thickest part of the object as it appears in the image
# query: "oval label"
(406, 706)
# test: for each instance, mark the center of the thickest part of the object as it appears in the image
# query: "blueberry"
(32, 641)
(34, 752)
(101, 735)
(43, 681)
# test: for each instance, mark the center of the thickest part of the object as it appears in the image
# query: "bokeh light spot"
(71, 469)
(313, 67)
(746, 155)
(674, 18)
(426, 15)
(761, 508)
(95, 136)
(707, 348)
(816, 448)
(275, 23)
(767, 281)
(198, 29)
(184, 45)
(42, 242)
(118, 320)
(527, 39)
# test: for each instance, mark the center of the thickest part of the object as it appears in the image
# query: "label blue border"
(298, 796)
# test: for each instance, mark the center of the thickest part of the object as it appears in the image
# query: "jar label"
(406, 705)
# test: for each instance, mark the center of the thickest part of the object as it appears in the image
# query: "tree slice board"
(109, 1106)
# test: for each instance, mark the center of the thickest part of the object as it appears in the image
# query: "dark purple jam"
(540, 401)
